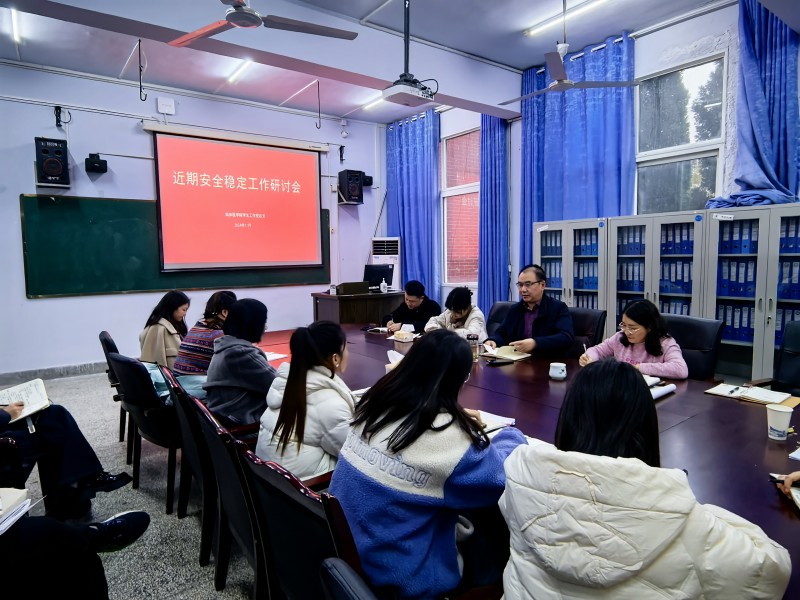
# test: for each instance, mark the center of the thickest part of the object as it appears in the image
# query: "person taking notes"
(164, 330)
(416, 310)
(538, 324)
(642, 341)
(461, 316)
(197, 348)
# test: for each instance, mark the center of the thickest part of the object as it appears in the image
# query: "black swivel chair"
(293, 525)
(699, 340)
(236, 519)
(589, 325)
(149, 417)
(108, 345)
(787, 364)
(497, 315)
(341, 582)
(195, 463)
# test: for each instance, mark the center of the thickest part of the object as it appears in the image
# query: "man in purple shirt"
(538, 324)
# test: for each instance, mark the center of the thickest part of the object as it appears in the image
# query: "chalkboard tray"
(79, 246)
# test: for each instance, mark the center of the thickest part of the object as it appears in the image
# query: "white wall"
(106, 115)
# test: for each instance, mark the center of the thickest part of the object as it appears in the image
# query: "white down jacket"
(585, 526)
(329, 410)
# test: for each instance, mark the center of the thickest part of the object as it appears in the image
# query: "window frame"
(692, 150)
(468, 188)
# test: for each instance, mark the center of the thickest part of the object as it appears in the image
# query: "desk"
(721, 442)
(355, 308)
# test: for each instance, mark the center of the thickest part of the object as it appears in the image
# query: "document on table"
(274, 356)
(753, 394)
(659, 391)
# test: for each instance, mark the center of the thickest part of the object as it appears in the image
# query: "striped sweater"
(196, 350)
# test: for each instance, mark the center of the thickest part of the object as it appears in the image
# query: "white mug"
(558, 371)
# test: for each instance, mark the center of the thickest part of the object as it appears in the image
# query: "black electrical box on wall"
(351, 187)
(52, 163)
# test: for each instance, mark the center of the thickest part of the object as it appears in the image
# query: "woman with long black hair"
(417, 476)
(309, 407)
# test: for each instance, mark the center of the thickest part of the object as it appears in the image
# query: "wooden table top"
(721, 442)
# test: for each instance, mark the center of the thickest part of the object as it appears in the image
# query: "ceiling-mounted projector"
(408, 92)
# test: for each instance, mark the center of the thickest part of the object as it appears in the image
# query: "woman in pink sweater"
(643, 341)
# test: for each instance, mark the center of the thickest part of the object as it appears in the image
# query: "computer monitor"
(374, 274)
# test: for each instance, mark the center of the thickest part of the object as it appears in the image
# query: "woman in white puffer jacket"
(309, 407)
(596, 517)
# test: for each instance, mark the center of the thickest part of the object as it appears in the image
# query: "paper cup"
(778, 417)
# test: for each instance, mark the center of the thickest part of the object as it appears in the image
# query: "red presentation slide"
(228, 204)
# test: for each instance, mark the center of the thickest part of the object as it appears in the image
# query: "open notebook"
(752, 394)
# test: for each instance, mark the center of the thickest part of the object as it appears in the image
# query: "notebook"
(30, 393)
(752, 394)
(505, 352)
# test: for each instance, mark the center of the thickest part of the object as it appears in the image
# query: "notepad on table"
(31, 393)
(492, 421)
(752, 394)
(274, 356)
(659, 391)
(651, 380)
(378, 330)
(506, 352)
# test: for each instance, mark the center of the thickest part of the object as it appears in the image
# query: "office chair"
(589, 325)
(293, 524)
(195, 463)
(497, 315)
(787, 364)
(699, 340)
(108, 345)
(148, 417)
(236, 518)
(341, 582)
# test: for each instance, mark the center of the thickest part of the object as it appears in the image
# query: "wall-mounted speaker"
(351, 187)
(52, 163)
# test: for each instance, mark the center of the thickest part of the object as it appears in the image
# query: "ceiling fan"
(241, 15)
(555, 65)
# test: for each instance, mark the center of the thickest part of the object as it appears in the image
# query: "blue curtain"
(578, 146)
(412, 207)
(493, 246)
(766, 111)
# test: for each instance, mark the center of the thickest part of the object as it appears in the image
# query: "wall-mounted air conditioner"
(386, 250)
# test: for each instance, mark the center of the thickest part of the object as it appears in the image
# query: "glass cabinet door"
(680, 266)
(588, 265)
(548, 251)
(736, 285)
(628, 262)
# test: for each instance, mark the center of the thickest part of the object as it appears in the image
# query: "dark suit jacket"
(419, 316)
(552, 328)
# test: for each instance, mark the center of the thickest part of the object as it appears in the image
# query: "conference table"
(721, 442)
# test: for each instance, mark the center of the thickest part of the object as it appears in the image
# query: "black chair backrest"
(341, 582)
(589, 325)
(194, 448)
(156, 422)
(340, 530)
(108, 346)
(234, 494)
(699, 340)
(497, 315)
(294, 526)
(787, 368)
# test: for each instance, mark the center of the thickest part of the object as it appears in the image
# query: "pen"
(734, 389)
(584, 348)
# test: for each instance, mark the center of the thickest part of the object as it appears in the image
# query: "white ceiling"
(473, 48)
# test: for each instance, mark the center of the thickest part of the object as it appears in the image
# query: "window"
(680, 138)
(461, 168)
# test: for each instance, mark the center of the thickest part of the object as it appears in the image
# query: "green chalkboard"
(79, 246)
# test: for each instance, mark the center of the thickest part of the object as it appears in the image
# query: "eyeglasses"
(528, 284)
(628, 328)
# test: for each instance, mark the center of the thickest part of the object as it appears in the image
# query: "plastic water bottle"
(384, 287)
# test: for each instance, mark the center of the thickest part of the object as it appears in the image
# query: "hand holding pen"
(584, 358)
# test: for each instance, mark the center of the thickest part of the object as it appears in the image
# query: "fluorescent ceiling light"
(15, 26)
(242, 68)
(374, 103)
(556, 19)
